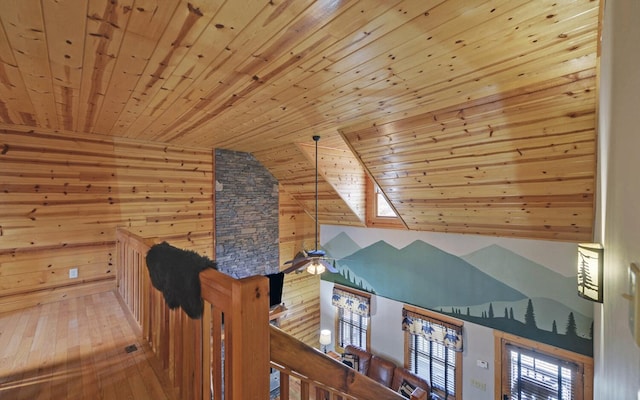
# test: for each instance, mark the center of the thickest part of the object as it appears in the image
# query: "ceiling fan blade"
(316, 253)
(330, 266)
(296, 264)
(299, 256)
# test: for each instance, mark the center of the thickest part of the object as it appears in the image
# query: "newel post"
(249, 339)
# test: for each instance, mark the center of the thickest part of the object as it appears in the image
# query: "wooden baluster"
(284, 386)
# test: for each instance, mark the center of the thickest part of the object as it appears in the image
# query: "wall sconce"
(634, 297)
(590, 261)
(325, 339)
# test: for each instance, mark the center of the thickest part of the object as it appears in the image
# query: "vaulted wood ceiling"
(472, 116)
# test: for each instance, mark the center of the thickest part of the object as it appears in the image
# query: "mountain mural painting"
(492, 286)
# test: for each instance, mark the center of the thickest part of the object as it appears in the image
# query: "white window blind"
(352, 328)
(537, 376)
(433, 362)
(433, 348)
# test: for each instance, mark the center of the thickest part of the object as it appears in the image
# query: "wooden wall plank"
(63, 196)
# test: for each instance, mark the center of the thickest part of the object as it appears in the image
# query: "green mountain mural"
(341, 246)
(530, 278)
(492, 286)
(547, 311)
(428, 276)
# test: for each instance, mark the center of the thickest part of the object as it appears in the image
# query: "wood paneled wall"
(62, 197)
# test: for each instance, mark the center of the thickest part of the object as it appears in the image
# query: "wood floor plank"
(75, 349)
(9, 338)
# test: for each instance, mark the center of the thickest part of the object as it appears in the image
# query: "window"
(383, 208)
(532, 370)
(351, 329)
(433, 362)
(352, 317)
(379, 211)
(532, 375)
(433, 350)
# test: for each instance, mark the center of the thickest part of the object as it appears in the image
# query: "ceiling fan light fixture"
(314, 260)
(315, 268)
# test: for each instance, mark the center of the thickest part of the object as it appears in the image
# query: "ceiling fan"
(315, 260)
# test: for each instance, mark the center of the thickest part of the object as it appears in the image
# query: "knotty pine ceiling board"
(343, 172)
(25, 32)
(340, 181)
(158, 32)
(105, 26)
(453, 107)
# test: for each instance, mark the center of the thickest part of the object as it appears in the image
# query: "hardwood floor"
(75, 349)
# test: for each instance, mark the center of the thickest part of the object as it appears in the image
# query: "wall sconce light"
(634, 297)
(325, 339)
(590, 262)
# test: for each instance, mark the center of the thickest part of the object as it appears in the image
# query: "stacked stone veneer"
(246, 215)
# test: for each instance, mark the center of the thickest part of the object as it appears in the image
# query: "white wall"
(617, 358)
(387, 340)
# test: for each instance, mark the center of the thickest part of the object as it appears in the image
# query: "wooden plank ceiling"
(472, 116)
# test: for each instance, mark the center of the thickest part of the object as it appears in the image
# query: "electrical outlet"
(73, 273)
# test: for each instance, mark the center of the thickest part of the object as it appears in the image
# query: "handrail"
(208, 355)
(290, 354)
(244, 304)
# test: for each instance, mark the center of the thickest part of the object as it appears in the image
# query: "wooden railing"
(227, 350)
(318, 376)
(227, 354)
(174, 338)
